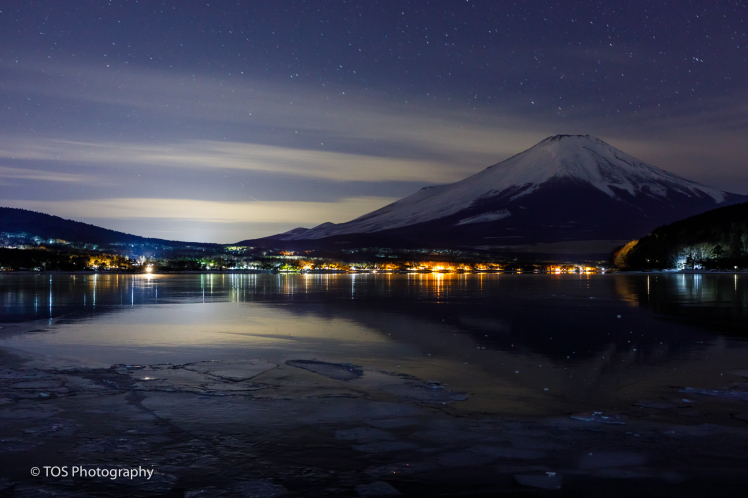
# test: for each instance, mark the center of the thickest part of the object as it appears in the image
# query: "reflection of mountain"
(556, 328)
(529, 314)
(552, 317)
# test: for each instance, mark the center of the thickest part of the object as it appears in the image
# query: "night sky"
(221, 121)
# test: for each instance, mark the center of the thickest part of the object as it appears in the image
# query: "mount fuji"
(565, 189)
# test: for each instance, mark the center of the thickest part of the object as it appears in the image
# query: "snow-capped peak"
(593, 161)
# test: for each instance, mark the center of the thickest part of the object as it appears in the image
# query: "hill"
(49, 227)
(715, 239)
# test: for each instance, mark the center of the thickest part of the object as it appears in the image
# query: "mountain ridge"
(47, 226)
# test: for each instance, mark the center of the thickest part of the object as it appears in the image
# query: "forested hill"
(46, 226)
(715, 239)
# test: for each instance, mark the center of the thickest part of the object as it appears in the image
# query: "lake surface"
(519, 344)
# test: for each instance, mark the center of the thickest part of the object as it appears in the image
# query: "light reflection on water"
(546, 339)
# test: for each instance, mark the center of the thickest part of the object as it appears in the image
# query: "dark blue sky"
(222, 121)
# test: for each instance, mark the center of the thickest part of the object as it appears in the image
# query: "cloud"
(286, 114)
(278, 212)
(47, 176)
(203, 154)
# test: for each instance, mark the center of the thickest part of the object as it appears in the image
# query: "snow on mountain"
(579, 158)
(484, 217)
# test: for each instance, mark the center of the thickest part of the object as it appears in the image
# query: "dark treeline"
(717, 239)
(30, 259)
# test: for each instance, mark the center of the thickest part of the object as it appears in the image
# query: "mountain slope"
(47, 226)
(565, 188)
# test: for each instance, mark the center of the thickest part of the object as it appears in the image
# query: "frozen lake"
(424, 368)
(599, 340)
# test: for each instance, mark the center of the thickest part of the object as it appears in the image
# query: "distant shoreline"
(342, 272)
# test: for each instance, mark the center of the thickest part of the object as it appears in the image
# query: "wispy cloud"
(284, 113)
(203, 154)
(7, 173)
(298, 213)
